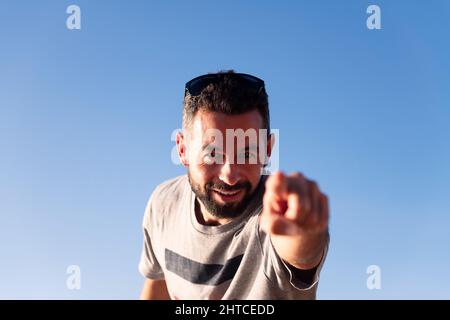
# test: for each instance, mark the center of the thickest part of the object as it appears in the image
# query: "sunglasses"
(195, 86)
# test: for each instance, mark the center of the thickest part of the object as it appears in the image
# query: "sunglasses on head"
(195, 86)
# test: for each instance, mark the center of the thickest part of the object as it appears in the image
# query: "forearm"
(303, 251)
(154, 290)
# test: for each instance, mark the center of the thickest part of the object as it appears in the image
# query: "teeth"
(227, 193)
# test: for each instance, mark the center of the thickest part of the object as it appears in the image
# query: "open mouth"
(228, 195)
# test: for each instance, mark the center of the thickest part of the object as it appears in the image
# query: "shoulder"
(169, 190)
(166, 197)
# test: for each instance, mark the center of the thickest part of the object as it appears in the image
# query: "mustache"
(221, 186)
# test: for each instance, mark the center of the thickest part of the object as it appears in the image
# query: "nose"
(229, 173)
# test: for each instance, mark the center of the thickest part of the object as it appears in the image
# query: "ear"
(182, 148)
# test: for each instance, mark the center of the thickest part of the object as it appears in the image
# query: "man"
(225, 230)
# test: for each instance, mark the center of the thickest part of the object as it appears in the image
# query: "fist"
(293, 206)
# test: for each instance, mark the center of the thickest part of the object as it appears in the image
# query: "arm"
(154, 290)
(295, 215)
(302, 252)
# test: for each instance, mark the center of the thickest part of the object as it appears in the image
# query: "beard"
(222, 210)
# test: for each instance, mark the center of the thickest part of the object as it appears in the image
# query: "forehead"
(206, 120)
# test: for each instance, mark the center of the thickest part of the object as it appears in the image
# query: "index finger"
(277, 184)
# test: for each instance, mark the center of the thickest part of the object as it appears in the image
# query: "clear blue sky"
(86, 117)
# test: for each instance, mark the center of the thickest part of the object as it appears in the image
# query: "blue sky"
(86, 117)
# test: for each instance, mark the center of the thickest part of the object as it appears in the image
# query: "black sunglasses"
(195, 86)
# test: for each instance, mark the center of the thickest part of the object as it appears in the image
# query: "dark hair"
(228, 96)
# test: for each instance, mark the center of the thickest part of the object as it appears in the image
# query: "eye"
(211, 153)
(244, 156)
(248, 155)
(211, 157)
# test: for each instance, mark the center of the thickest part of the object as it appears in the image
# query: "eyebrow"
(251, 147)
(211, 145)
(207, 145)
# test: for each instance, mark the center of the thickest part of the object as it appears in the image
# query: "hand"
(294, 206)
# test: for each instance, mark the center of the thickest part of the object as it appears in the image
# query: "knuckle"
(297, 175)
(313, 184)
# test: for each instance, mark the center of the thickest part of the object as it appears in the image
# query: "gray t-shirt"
(232, 261)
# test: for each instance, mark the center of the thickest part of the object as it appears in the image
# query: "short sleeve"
(280, 273)
(281, 267)
(149, 266)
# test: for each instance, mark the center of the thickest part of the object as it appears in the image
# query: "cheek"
(256, 180)
(203, 173)
(253, 174)
(253, 170)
